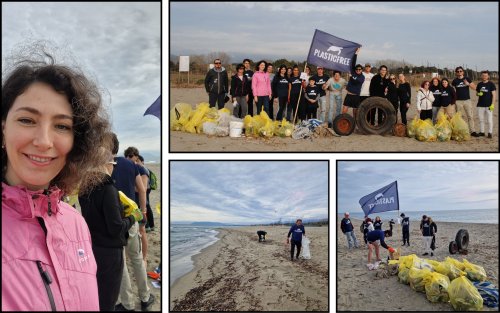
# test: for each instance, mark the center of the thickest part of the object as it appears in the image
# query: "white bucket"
(235, 129)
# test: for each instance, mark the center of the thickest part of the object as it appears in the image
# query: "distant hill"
(208, 224)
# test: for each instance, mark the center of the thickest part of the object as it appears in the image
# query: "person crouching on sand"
(375, 240)
(348, 230)
(262, 235)
(297, 230)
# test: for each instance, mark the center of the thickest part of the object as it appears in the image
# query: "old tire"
(384, 107)
(462, 239)
(344, 124)
(453, 248)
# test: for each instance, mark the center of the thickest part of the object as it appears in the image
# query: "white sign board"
(435, 75)
(304, 76)
(184, 63)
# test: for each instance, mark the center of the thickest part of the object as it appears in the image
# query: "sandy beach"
(359, 290)
(186, 142)
(238, 273)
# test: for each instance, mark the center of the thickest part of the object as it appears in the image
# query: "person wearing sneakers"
(348, 230)
(297, 230)
(462, 85)
(486, 92)
(375, 240)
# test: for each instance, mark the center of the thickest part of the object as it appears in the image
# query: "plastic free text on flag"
(331, 52)
(382, 200)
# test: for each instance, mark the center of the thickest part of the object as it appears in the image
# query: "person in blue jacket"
(348, 231)
(297, 230)
(352, 99)
(375, 240)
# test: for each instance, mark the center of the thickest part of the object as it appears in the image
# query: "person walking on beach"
(434, 231)
(427, 231)
(280, 91)
(249, 74)
(103, 212)
(348, 230)
(448, 97)
(404, 95)
(320, 79)
(216, 84)
(425, 98)
(335, 85)
(261, 87)
(462, 84)
(353, 88)
(297, 230)
(239, 92)
(486, 91)
(375, 240)
(48, 151)
(406, 229)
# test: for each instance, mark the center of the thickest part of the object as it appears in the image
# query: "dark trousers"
(151, 219)
(380, 116)
(263, 101)
(396, 107)
(109, 275)
(365, 232)
(215, 98)
(303, 108)
(299, 245)
(293, 103)
(312, 109)
(250, 104)
(403, 109)
(406, 236)
(271, 108)
(282, 107)
(425, 114)
(433, 243)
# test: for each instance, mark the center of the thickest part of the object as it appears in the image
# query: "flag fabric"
(155, 108)
(382, 200)
(331, 52)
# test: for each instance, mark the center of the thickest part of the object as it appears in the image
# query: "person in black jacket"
(448, 97)
(435, 88)
(404, 95)
(378, 223)
(103, 212)
(378, 88)
(249, 74)
(348, 230)
(392, 92)
(279, 87)
(239, 92)
(406, 229)
(428, 229)
(216, 84)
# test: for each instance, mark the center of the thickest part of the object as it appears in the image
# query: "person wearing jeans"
(320, 80)
(261, 87)
(348, 231)
(336, 85)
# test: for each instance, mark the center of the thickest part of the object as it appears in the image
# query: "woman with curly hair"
(53, 125)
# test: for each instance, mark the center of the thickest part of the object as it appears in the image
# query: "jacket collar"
(30, 204)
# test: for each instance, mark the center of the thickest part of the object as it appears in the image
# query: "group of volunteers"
(56, 142)
(374, 235)
(288, 87)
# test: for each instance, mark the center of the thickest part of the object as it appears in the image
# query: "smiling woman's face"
(38, 135)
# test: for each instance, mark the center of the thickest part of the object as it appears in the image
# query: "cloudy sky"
(117, 43)
(248, 191)
(448, 34)
(432, 186)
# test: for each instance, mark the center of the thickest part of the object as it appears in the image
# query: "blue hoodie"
(297, 232)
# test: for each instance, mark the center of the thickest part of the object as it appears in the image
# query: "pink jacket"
(65, 253)
(261, 85)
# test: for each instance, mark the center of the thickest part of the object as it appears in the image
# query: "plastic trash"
(418, 278)
(306, 252)
(425, 131)
(474, 272)
(179, 115)
(436, 287)
(443, 127)
(459, 128)
(464, 296)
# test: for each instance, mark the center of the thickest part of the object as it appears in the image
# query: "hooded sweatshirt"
(217, 81)
(64, 251)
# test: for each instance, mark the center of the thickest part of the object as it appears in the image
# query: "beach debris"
(462, 239)
(411, 129)
(425, 131)
(399, 130)
(459, 128)
(306, 252)
(384, 107)
(474, 272)
(403, 275)
(443, 127)
(488, 292)
(436, 287)
(416, 277)
(179, 115)
(344, 124)
(305, 129)
(323, 131)
(464, 296)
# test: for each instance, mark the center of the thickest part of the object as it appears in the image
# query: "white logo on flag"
(334, 49)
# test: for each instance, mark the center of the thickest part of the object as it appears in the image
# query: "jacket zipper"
(218, 83)
(49, 205)
(47, 280)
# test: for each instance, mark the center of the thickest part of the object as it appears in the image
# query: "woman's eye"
(63, 127)
(26, 121)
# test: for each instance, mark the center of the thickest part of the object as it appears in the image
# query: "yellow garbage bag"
(464, 296)
(194, 124)
(474, 272)
(410, 261)
(179, 115)
(403, 274)
(412, 127)
(425, 131)
(417, 278)
(459, 128)
(267, 126)
(448, 269)
(443, 127)
(248, 123)
(436, 287)
(457, 263)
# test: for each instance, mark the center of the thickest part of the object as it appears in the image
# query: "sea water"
(488, 216)
(185, 242)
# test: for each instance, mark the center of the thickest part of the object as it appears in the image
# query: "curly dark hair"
(91, 126)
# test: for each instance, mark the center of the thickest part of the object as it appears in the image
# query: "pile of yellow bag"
(444, 281)
(444, 130)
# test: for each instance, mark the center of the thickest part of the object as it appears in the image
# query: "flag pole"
(298, 101)
(397, 194)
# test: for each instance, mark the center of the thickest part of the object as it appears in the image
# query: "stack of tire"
(460, 243)
(344, 124)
